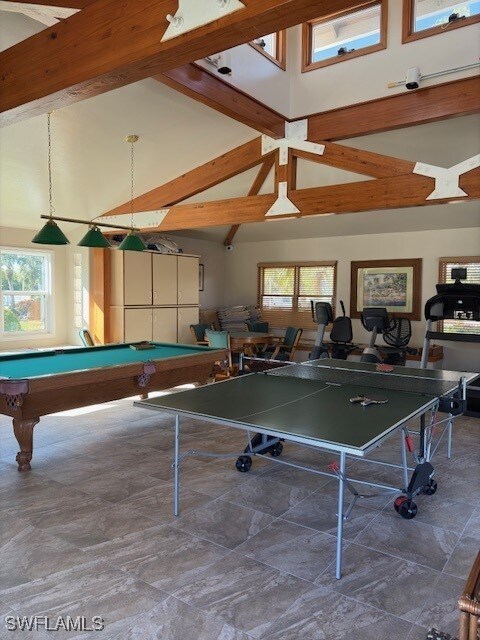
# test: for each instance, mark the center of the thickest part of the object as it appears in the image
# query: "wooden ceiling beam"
(67, 4)
(208, 175)
(111, 44)
(365, 163)
(254, 189)
(384, 193)
(197, 83)
(439, 102)
(46, 14)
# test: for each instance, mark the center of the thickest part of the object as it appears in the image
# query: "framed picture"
(393, 284)
(201, 277)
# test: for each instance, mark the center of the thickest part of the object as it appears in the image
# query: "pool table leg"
(23, 430)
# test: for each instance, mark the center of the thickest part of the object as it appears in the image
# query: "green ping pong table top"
(304, 411)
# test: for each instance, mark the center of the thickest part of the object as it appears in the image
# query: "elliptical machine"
(396, 333)
(322, 314)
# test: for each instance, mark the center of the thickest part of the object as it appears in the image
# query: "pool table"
(37, 383)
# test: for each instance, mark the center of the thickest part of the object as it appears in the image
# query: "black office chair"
(397, 338)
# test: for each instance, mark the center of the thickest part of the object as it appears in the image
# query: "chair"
(469, 604)
(86, 338)
(257, 327)
(221, 340)
(198, 332)
(285, 350)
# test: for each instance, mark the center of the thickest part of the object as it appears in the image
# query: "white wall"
(241, 271)
(357, 80)
(258, 76)
(21, 238)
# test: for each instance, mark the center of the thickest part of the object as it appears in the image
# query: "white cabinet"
(188, 281)
(164, 324)
(137, 325)
(153, 296)
(186, 317)
(165, 278)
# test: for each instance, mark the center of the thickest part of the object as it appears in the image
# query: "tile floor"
(90, 531)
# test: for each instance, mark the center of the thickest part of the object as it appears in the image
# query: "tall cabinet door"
(137, 276)
(138, 325)
(164, 270)
(186, 317)
(187, 280)
(165, 324)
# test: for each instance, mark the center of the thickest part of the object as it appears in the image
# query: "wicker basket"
(469, 604)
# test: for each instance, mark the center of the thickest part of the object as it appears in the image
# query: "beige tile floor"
(90, 531)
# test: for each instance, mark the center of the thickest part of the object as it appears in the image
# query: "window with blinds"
(472, 264)
(286, 289)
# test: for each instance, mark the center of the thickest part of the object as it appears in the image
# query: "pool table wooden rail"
(27, 399)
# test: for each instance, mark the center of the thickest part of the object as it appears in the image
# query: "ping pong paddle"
(384, 368)
(364, 401)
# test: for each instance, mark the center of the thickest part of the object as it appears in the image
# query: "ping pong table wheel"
(243, 463)
(430, 488)
(276, 449)
(405, 507)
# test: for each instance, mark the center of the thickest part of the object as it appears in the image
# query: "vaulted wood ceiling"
(126, 46)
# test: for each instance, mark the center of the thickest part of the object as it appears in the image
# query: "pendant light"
(94, 239)
(50, 233)
(132, 242)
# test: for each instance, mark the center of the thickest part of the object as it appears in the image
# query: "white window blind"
(472, 264)
(285, 291)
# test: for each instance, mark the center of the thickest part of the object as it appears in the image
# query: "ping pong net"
(367, 378)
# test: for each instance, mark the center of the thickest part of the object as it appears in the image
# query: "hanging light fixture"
(132, 242)
(50, 233)
(94, 239)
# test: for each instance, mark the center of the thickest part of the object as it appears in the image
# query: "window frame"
(442, 262)
(298, 318)
(280, 58)
(47, 293)
(409, 35)
(307, 30)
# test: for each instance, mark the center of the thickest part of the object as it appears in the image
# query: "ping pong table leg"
(341, 487)
(449, 437)
(176, 469)
(404, 460)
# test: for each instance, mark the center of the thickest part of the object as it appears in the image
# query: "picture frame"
(393, 284)
(201, 277)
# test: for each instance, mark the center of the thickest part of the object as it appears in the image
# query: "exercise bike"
(340, 336)
(396, 334)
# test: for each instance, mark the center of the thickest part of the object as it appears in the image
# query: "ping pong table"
(348, 408)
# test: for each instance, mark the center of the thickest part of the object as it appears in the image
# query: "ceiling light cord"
(49, 138)
(132, 183)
